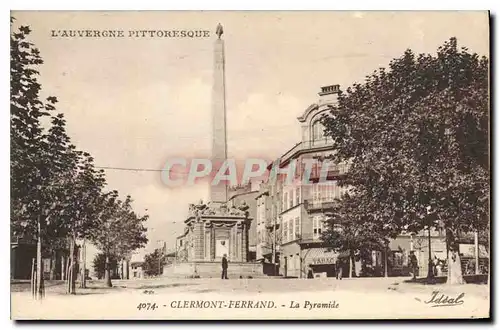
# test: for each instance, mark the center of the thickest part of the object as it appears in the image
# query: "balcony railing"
(333, 170)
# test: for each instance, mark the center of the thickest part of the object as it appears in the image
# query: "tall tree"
(417, 138)
(81, 202)
(119, 230)
(33, 177)
(99, 264)
(154, 262)
(56, 192)
(351, 229)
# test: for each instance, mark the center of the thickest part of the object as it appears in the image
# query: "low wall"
(206, 269)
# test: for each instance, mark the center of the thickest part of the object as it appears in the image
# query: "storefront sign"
(323, 261)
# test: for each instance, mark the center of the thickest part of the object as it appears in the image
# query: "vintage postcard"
(194, 165)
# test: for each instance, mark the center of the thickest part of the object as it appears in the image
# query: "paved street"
(235, 298)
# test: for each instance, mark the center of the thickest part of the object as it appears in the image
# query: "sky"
(136, 102)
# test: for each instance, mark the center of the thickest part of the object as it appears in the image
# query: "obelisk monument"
(217, 228)
(218, 193)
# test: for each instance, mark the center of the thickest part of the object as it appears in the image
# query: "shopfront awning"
(320, 256)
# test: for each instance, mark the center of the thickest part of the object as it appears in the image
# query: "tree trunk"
(83, 280)
(107, 272)
(39, 265)
(63, 267)
(127, 275)
(33, 278)
(454, 269)
(71, 282)
(352, 268)
(67, 267)
(386, 263)
(454, 265)
(53, 261)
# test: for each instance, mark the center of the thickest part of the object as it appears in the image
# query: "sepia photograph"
(250, 165)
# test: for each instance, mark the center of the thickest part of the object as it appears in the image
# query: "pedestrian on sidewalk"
(338, 268)
(224, 268)
(435, 262)
(310, 273)
(413, 265)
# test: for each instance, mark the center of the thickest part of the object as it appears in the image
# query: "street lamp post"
(430, 271)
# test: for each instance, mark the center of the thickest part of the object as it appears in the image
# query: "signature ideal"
(439, 299)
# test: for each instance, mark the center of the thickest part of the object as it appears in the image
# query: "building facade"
(305, 202)
(247, 194)
(137, 270)
(55, 263)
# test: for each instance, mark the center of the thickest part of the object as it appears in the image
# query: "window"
(297, 196)
(326, 192)
(317, 226)
(317, 131)
(285, 200)
(290, 230)
(297, 227)
(291, 199)
(285, 231)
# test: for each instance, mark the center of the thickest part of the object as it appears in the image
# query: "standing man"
(435, 262)
(224, 268)
(413, 264)
(338, 268)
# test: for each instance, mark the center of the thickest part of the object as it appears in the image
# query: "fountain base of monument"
(212, 231)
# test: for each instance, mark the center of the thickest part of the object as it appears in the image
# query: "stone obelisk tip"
(219, 31)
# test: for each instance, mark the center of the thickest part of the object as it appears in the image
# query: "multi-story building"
(262, 241)
(290, 214)
(305, 201)
(269, 234)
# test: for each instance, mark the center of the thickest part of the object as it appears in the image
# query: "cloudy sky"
(134, 103)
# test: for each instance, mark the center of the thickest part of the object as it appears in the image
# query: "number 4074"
(147, 306)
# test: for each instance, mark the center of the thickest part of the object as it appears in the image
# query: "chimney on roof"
(328, 94)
